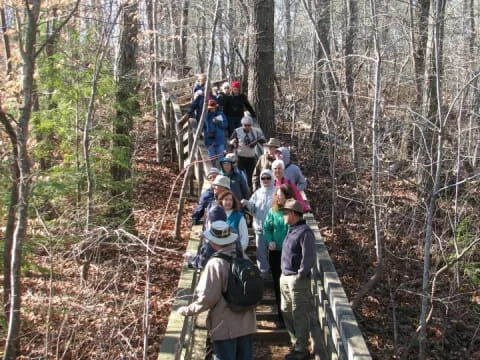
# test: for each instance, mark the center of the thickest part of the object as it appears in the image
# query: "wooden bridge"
(185, 337)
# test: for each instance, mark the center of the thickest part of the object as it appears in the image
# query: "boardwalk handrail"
(342, 338)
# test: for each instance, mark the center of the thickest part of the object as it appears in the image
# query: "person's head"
(227, 164)
(212, 105)
(216, 213)
(280, 196)
(282, 153)
(266, 178)
(202, 78)
(212, 174)
(247, 123)
(278, 168)
(220, 185)
(229, 201)
(236, 87)
(272, 145)
(219, 235)
(226, 88)
(292, 212)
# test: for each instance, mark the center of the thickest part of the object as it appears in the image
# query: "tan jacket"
(263, 162)
(222, 323)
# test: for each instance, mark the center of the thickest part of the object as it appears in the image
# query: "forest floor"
(102, 317)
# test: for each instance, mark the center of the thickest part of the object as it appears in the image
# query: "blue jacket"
(215, 127)
(238, 184)
(205, 199)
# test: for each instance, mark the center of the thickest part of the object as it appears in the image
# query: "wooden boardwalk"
(339, 336)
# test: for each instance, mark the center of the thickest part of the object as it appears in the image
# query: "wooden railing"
(341, 337)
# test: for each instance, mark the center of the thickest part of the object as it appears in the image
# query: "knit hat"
(294, 205)
(247, 120)
(212, 104)
(236, 84)
(272, 142)
(220, 234)
(217, 213)
(221, 180)
(225, 85)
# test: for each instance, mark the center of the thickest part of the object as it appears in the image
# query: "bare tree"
(261, 64)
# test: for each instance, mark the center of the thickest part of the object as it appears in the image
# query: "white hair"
(278, 163)
(225, 85)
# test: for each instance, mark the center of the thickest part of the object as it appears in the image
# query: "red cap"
(236, 84)
(212, 104)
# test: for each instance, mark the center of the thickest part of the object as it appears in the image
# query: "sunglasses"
(266, 178)
(247, 125)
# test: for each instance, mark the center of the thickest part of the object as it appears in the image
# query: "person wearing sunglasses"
(259, 204)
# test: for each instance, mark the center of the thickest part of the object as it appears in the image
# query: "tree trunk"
(352, 29)
(262, 68)
(127, 107)
(6, 41)
(183, 31)
(20, 233)
(288, 38)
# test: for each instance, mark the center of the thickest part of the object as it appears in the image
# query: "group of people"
(228, 121)
(285, 245)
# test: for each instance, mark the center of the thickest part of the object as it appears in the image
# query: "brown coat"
(263, 162)
(222, 323)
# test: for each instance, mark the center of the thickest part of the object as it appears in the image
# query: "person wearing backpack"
(231, 331)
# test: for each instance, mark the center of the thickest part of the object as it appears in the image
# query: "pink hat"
(236, 84)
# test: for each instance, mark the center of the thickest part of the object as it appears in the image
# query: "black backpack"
(245, 283)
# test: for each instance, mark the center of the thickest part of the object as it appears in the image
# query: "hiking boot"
(298, 355)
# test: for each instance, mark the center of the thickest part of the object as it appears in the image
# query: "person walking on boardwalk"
(292, 171)
(274, 231)
(298, 258)
(259, 204)
(235, 217)
(238, 185)
(235, 106)
(245, 138)
(206, 197)
(213, 131)
(231, 332)
(264, 161)
(278, 168)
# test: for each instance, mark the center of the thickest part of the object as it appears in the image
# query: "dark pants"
(248, 165)
(274, 258)
(240, 348)
(233, 123)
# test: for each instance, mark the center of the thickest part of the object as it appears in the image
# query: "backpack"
(245, 283)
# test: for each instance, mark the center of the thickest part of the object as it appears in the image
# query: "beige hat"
(220, 234)
(222, 181)
(201, 76)
(292, 204)
(273, 143)
(213, 170)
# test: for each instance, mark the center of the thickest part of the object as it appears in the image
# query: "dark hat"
(294, 205)
(212, 104)
(220, 234)
(216, 213)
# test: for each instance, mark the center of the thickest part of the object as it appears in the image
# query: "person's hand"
(183, 310)
(272, 246)
(244, 202)
(217, 119)
(187, 255)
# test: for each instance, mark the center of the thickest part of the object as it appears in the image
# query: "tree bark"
(6, 42)
(127, 107)
(262, 68)
(288, 38)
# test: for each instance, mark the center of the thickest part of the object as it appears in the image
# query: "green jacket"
(274, 228)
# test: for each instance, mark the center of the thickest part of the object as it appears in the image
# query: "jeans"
(240, 348)
(214, 150)
(262, 252)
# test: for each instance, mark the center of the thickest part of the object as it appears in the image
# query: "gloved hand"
(244, 202)
(217, 119)
(182, 310)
